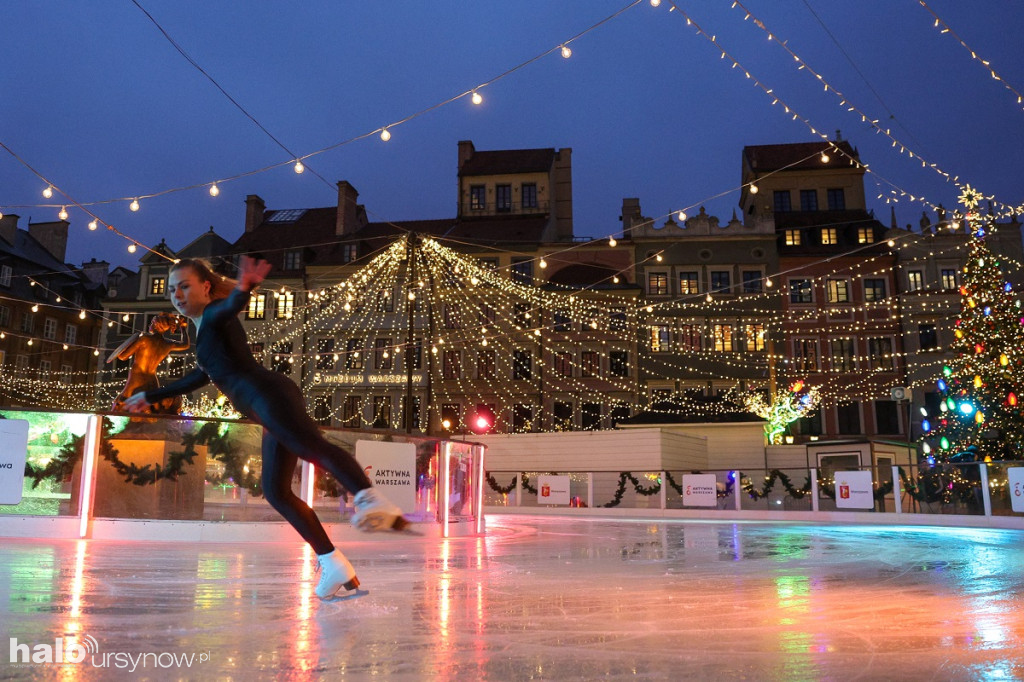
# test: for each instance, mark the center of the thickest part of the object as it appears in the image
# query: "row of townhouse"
(501, 306)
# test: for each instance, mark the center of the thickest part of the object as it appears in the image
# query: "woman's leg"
(278, 469)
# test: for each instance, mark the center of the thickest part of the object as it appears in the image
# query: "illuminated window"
(723, 337)
(689, 283)
(689, 337)
(880, 352)
(829, 236)
(792, 237)
(874, 289)
(657, 284)
(293, 259)
(660, 338)
(806, 355)
(157, 286)
(477, 197)
(755, 337)
(949, 280)
(563, 363)
(383, 356)
(285, 305)
(838, 290)
(257, 308)
(865, 235)
(915, 280)
(348, 253)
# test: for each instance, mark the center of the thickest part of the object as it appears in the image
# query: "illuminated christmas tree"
(981, 415)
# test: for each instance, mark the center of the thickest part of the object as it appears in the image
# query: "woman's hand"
(136, 402)
(251, 272)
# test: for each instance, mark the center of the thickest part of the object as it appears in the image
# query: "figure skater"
(213, 303)
(149, 350)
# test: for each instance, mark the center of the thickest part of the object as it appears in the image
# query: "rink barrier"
(981, 503)
(448, 480)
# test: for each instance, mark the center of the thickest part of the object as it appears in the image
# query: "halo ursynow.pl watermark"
(85, 650)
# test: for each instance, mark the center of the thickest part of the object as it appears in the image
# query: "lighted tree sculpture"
(981, 388)
(787, 407)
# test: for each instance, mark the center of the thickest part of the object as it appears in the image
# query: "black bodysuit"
(273, 401)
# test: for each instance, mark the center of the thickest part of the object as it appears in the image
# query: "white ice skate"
(335, 573)
(375, 512)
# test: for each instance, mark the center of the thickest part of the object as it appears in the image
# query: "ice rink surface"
(536, 599)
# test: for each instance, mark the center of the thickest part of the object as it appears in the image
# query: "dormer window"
(157, 286)
(503, 198)
(293, 259)
(477, 197)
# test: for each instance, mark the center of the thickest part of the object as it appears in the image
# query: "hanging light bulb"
(543, 263)
(93, 225)
(412, 295)
(35, 308)
(96, 352)
(65, 346)
(131, 248)
(63, 215)
(611, 241)
(48, 192)
(81, 315)
(768, 282)
(385, 134)
(477, 98)
(655, 3)
(753, 188)
(134, 206)
(214, 190)
(615, 279)
(1, 215)
(658, 258)
(124, 318)
(30, 342)
(299, 168)
(708, 298)
(825, 158)
(566, 52)
(681, 215)
(892, 243)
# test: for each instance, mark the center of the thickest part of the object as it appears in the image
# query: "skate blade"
(346, 596)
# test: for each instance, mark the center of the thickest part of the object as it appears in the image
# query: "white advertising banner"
(700, 490)
(1015, 477)
(391, 467)
(854, 490)
(13, 451)
(552, 489)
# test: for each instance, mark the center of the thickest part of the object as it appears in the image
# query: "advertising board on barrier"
(854, 490)
(700, 490)
(13, 452)
(552, 489)
(391, 467)
(1015, 480)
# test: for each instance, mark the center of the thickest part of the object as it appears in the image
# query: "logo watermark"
(85, 650)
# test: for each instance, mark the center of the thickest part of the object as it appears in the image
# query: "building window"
(810, 425)
(293, 259)
(848, 413)
(927, 336)
(842, 354)
(689, 337)
(865, 235)
(522, 271)
(382, 357)
(521, 314)
(800, 291)
(723, 337)
(660, 338)
(590, 416)
(880, 352)
(806, 355)
(689, 283)
(486, 364)
(808, 200)
(562, 412)
(887, 419)
(792, 237)
(322, 409)
(450, 413)
(522, 418)
(563, 363)
(617, 319)
(522, 365)
(70, 334)
(414, 355)
(285, 305)
(529, 195)
(720, 282)
(755, 337)
(503, 198)
(386, 301)
(50, 328)
(325, 354)
(352, 411)
(157, 286)
(657, 284)
(874, 289)
(5, 275)
(829, 236)
(618, 363)
(415, 411)
(477, 197)
(949, 279)
(5, 316)
(381, 411)
(257, 308)
(590, 364)
(782, 203)
(488, 264)
(836, 199)
(348, 253)
(561, 321)
(752, 281)
(65, 371)
(915, 280)
(27, 323)
(452, 364)
(353, 354)
(838, 290)
(282, 358)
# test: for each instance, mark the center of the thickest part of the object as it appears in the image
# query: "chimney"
(349, 217)
(562, 177)
(631, 214)
(96, 271)
(466, 151)
(9, 228)
(53, 236)
(254, 209)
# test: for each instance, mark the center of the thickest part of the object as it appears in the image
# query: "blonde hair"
(220, 286)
